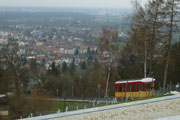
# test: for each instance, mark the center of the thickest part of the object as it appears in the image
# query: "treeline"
(152, 32)
(82, 83)
(15, 74)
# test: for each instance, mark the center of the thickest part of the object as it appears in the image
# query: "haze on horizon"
(70, 3)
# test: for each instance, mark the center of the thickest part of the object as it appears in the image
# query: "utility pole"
(145, 56)
(64, 106)
(72, 91)
(99, 91)
(57, 93)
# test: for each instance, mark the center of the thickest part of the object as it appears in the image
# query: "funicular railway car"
(133, 89)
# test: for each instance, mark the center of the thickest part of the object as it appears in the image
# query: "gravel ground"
(170, 118)
(149, 111)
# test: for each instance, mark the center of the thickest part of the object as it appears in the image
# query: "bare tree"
(145, 32)
(108, 51)
(12, 62)
(155, 23)
(172, 17)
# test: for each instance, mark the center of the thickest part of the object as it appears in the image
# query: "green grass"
(120, 45)
(143, 99)
(101, 105)
(71, 105)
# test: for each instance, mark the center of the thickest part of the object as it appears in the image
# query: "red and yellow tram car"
(140, 88)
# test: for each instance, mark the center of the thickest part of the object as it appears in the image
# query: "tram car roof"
(143, 80)
(1, 96)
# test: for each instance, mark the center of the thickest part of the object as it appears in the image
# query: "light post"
(64, 106)
(57, 91)
(72, 91)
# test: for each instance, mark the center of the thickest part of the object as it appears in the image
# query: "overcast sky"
(70, 3)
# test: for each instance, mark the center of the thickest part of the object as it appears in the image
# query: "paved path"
(140, 110)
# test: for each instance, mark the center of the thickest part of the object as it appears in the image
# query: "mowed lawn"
(59, 105)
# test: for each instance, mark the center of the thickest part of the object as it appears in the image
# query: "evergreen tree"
(76, 52)
(72, 68)
(174, 70)
(64, 67)
(88, 50)
(54, 70)
(83, 65)
(90, 59)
